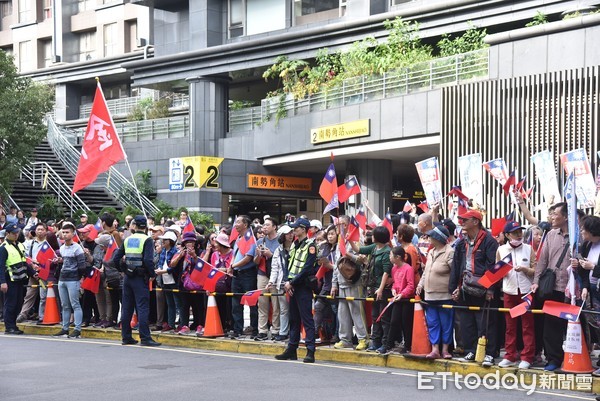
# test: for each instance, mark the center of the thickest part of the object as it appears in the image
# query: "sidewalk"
(326, 353)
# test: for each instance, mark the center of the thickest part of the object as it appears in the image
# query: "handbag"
(547, 279)
(471, 286)
(349, 270)
(190, 284)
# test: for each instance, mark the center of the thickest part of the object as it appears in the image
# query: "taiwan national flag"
(457, 191)
(329, 185)
(44, 256)
(110, 249)
(92, 281)
(353, 230)
(463, 206)
(251, 298)
(519, 185)
(200, 273)
(424, 206)
(497, 272)
(387, 223)
(210, 284)
(189, 226)
(407, 207)
(498, 226)
(523, 307)
(334, 204)
(511, 181)
(234, 235)
(342, 245)
(348, 189)
(95, 230)
(76, 238)
(361, 218)
(245, 242)
(562, 310)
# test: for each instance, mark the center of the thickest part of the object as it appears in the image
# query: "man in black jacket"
(474, 252)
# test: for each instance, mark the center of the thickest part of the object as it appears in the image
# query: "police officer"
(138, 267)
(302, 268)
(14, 273)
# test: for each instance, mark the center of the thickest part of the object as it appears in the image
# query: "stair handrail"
(8, 201)
(113, 181)
(46, 176)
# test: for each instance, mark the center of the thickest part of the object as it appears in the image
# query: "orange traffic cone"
(212, 327)
(420, 336)
(51, 315)
(575, 362)
(134, 321)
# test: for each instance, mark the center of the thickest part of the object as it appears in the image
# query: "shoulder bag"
(547, 279)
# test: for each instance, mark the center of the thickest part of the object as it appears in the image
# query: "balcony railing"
(122, 107)
(428, 75)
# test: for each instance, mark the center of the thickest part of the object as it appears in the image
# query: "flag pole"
(136, 188)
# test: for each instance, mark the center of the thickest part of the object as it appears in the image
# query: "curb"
(324, 354)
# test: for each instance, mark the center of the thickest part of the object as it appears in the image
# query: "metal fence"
(43, 175)
(428, 75)
(113, 181)
(145, 130)
(122, 107)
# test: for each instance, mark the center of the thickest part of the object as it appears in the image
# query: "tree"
(23, 105)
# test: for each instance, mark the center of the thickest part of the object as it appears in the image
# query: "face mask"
(515, 243)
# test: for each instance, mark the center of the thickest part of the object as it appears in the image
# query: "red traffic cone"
(420, 335)
(51, 315)
(212, 326)
(573, 361)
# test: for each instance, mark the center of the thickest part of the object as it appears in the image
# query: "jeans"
(69, 299)
(173, 307)
(244, 281)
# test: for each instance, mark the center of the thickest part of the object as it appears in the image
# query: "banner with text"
(429, 174)
(471, 176)
(576, 161)
(546, 175)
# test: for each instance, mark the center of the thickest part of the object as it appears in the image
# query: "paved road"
(43, 368)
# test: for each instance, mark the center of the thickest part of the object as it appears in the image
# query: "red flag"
(210, 284)
(347, 189)
(45, 254)
(342, 245)
(523, 307)
(321, 272)
(510, 182)
(245, 242)
(519, 185)
(353, 230)
(497, 272)
(463, 206)
(101, 145)
(234, 234)
(95, 229)
(361, 218)
(407, 207)
(384, 310)
(76, 238)
(200, 273)
(538, 253)
(110, 249)
(498, 226)
(562, 310)
(387, 223)
(189, 226)
(457, 190)
(329, 185)
(92, 281)
(423, 206)
(251, 298)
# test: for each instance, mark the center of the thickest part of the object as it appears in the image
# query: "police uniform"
(302, 268)
(14, 271)
(138, 250)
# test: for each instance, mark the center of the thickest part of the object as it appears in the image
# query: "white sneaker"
(505, 363)
(524, 365)
(488, 361)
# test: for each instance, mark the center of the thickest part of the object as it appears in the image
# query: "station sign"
(275, 182)
(340, 132)
(194, 172)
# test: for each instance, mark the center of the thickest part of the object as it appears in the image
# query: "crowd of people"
(319, 276)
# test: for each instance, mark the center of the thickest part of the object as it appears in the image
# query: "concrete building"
(536, 89)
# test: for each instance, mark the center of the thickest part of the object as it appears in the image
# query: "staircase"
(30, 186)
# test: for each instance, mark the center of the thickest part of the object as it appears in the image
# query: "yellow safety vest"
(16, 265)
(298, 258)
(134, 248)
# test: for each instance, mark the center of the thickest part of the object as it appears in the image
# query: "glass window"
(6, 8)
(46, 48)
(87, 46)
(85, 5)
(397, 2)
(48, 9)
(306, 7)
(25, 11)
(25, 56)
(236, 18)
(110, 40)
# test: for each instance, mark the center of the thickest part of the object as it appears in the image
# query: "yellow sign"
(194, 172)
(279, 183)
(339, 132)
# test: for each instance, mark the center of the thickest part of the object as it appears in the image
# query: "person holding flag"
(167, 278)
(278, 278)
(515, 285)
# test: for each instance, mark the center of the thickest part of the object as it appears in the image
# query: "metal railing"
(427, 75)
(121, 107)
(7, 202)
(113, 181)
(42, 174)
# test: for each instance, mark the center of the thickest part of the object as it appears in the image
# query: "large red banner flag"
(101, 145)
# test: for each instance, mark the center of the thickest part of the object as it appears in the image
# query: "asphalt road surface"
(43, 368)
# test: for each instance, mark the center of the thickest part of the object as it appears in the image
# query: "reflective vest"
(134, 248)
(16, 266)
(298, 258)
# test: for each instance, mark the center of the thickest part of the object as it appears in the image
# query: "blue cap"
(140, 221)
(11, 228)
(512, 226)
(301, 223)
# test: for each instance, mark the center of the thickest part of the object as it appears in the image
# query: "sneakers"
(21, 318)
(524, 365)
(551, 367)
(199, 331)
(279, 337)
(596, 373)
(488, 361)
(14, 331)
(382, 350)
(506, 363)
(61, 333)
(362, 345)
(167, 329)
(373, 347)
(184, 330)
(261, 337)
(470, 357)
(75, 334)
(233, 335)
(342, 345)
